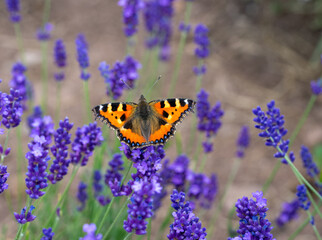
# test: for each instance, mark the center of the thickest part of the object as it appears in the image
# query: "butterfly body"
(145, 123)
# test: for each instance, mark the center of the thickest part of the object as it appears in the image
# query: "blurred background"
(260, 50)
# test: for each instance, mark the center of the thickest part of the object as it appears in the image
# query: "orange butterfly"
(146, 123)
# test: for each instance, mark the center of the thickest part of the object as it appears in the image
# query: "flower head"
(87, 138)
(90, 230)
(82, 56)
(3, 178)
(252, 215)
(130, 15)
(12, 110)
(308, 163)
(60, 58)
(59, 168)
(82, 195)
(184, 27)
(24, 217)
(302, 197)
(242, 141)
(42, 126)
(179, 170)
(316, 87)
(43, 33)
(185, 225)
(13, 7)
(48, 234)
(202, 41)
(289, 212)
(271, 124)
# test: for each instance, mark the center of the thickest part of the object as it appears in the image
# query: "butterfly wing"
(119, 116)
(169, 113)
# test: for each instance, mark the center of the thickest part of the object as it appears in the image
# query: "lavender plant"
(80, 175)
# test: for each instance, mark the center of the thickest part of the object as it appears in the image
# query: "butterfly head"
(142, 98)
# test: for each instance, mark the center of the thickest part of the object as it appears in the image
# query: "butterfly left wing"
(170, 112)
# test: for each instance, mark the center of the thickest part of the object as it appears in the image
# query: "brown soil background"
(256, 56)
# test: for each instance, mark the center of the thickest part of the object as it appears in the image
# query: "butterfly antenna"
(156, 81)
(126, 84)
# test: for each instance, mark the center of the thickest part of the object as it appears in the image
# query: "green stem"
(61, 200)
(127, 236)
(296, 131)
(182, 43)
(46, 12)
(20, 42)
(116, 218)
(232, 175)
(113, 199)
(178, 143)
(87, 101)
(149, 228)
(5, 146)
(22, 227)
(44, 66)
(20, 165)
(58, 102)
(203, 162)
(303, 225)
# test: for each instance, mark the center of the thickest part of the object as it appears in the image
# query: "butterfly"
(145, 123)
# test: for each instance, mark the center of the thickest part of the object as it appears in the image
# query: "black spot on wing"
(122, 117)
(165, 114)
(124, 107)
(162, 122)
(172, 102)
(96, 109)
(104, 107)
(115, 106)
(182, 102)
(128, 125)
(162, 105)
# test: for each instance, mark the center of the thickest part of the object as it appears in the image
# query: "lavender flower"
(186, 225)
(179, 171)
(19, 82)
(90, 230)
(86, 139)
(316, 87)
(242, 141)
(43, 33)
(158, 18)
(308, 163)
(3, 178)
(59, 168)
(140, 207)
(12, 110)
(200, 70)
(82, 195)
(60, 58)
(24, 217)
(185, 28)
(13, 7)
(48, 234)
(202, 41)
(82, 56)
(252, 215)
(42, 126)
(37, 114)
(272, 128)
(121, 73)
(289, 212)
(302, 197)
(130, 15)
(36, 179)
(98, 188)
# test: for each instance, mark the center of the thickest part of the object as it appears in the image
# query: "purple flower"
(158, 18)
(271, 124)
(82, 56)
(202, 41)
(60, 58)
(316, 87)
(311, 168)
(97, 186)
(179, 171)
(12, 110)
(13, 7)
(252, 215)
(37, 114)
(86, 139)
(140, 207)
(24, 217)
(185, 225)
(37, 156)
(289, 212)
(48, 234)
(200, 70)
(130, 15)
(42, 126)
(184, 27)
(82, 195)
(242, 141)
(90, 230)
(302, 197)
(59, 168)
(43, 33)
(121, 73)
(3, 178)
